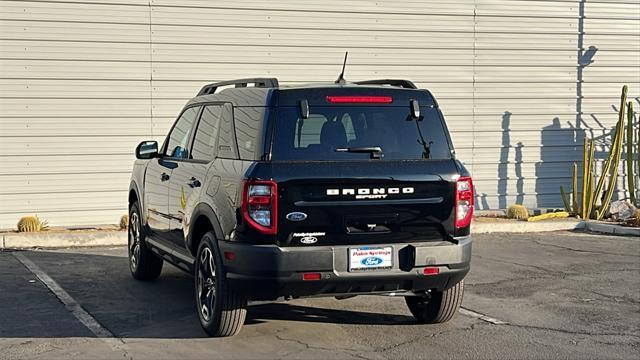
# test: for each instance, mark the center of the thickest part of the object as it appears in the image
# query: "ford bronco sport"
(265, 192)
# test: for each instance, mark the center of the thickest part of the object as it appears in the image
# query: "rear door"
(330, 195)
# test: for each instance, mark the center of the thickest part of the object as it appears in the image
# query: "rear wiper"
(375, 151)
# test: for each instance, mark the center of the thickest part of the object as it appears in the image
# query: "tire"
(437, 308)
(221, 310)
(143, 263)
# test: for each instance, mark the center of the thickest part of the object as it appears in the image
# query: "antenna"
(340, 79)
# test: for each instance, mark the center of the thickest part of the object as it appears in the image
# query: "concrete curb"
(57, 239)
(525, 226)
(613, 229)
(62, 239)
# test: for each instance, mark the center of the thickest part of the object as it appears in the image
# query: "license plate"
(370, 258)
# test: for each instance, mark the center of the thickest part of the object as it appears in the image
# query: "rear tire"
(221, 310)
(143, 263)
(439, 307)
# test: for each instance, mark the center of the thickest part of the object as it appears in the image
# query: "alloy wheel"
(134, 240)
(206, 283)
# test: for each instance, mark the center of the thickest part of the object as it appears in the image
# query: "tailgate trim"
(430, 200)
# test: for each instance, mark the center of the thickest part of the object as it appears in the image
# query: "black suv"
(266, 192)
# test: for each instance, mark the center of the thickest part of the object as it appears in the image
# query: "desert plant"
(32, 224)
(553, 215)
(630, 173)
(636, 218)
(613, 162)
(588, 206)
(565, 200)
(517, 212)
(124, 222)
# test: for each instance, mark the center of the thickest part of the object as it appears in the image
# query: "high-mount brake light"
(359, 99)
(260, 205)
(464, 202)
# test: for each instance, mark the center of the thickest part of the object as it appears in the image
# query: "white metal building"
(82, 82)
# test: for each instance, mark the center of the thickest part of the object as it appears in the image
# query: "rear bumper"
(266, 272)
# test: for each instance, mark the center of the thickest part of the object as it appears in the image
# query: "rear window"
(329, 128)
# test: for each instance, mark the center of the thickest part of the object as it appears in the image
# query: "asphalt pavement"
(551, 295)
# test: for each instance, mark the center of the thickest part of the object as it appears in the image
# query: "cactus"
(613, 162)
(588, 188)
(630, 174)
(32, 224)
(636, 218)
(517, 212)
(587, 205)
(576, 207)
(565, 199)
(554, 215)
(124, 222)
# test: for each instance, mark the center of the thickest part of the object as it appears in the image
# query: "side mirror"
(147, 150)
(415, 109)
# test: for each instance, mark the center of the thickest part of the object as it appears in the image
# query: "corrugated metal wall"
(82, 82)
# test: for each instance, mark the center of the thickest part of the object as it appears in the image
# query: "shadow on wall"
(560, 147)
(503, 167)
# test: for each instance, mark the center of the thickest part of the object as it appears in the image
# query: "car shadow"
(103, 286)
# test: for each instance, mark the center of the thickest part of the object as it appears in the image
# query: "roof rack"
(258, 82)
(393, 82)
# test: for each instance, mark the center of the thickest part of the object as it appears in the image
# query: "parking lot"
(544, 295)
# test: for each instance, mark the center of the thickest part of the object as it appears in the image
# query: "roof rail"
(259, 82)
(393, 82)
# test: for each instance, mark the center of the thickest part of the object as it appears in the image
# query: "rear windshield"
(399, 136)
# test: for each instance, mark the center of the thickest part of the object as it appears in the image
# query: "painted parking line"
(482, 317)
(70, 303)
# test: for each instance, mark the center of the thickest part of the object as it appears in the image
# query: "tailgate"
(365, 202)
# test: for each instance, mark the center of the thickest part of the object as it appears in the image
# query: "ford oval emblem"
(309, 240)
(371, 261)
(296, 216)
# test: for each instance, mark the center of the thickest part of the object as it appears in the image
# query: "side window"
(204, 143)
(179, 138)
(248, 124)
(226, 137)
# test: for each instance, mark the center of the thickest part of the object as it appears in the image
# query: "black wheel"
(143, 263)
(437, 306)
(221, 310)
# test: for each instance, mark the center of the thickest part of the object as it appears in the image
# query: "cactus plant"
(630, 173)
(636, 218)
(587, 206)
(576, 207)
(588, 186)
(611, 166)
(32, 224)
(517, 212)
(565, 199)
(124, 222)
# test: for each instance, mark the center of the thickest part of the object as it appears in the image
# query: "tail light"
(464, 201)
(260, 205)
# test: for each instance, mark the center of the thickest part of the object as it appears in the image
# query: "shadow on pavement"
(103, 286)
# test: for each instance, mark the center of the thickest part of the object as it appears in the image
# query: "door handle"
(164, 177)
(193, 182)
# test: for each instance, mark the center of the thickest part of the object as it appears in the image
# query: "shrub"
(32, 224)
(517, 212)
